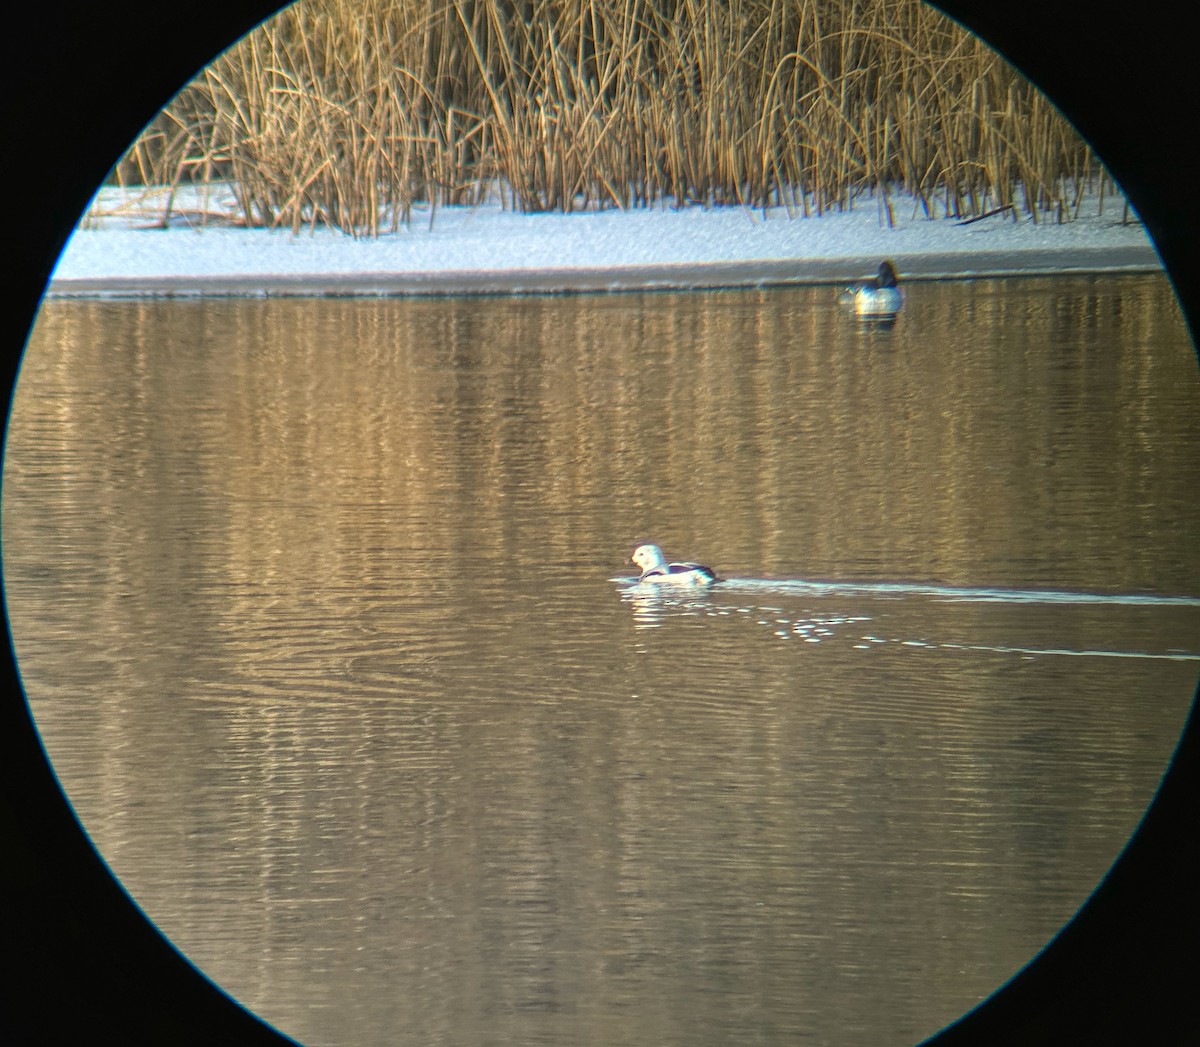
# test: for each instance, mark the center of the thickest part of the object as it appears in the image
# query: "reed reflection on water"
(314, 604)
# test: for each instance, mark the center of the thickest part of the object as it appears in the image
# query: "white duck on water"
(656, 570)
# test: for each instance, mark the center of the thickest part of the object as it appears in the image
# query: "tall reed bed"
(350, 112)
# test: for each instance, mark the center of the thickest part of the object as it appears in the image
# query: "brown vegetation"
(349, 112)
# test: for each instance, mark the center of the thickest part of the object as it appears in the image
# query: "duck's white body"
(657, 571)
(878, 302)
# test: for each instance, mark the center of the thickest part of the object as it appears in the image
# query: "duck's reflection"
(652, 604)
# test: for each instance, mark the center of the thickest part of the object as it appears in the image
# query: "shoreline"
(714, 275)
(127, 250)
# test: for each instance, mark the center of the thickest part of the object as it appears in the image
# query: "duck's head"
(647, 557)
(887, 275)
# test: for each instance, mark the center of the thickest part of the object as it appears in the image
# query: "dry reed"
(349, 112)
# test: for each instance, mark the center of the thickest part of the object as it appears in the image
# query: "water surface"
(317, 607)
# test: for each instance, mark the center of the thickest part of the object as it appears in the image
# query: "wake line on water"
(951, 593)
(1168, 656)
(653, 600)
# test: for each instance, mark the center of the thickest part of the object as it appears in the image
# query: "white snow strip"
(488, 249)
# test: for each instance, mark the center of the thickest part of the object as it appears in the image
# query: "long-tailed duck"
(656, 569)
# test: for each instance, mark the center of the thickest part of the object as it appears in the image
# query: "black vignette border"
(84, 78)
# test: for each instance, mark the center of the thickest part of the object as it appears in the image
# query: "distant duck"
(880, 299)
(656, 569)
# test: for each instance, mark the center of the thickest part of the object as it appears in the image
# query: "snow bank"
(117, 250)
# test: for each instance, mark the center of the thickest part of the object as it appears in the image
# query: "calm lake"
(318, 608)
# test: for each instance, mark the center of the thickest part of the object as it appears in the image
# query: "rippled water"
(322, 611)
